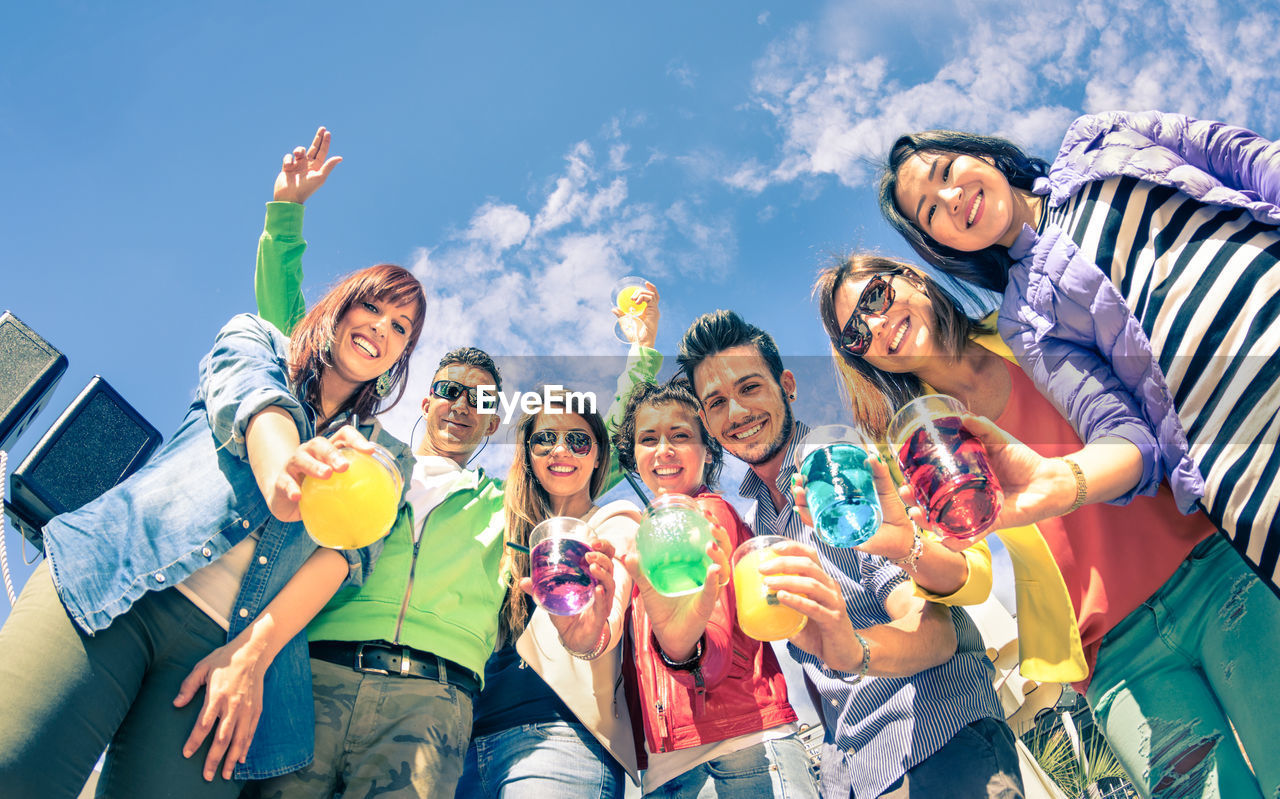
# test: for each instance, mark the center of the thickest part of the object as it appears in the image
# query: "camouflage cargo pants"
(380, 736)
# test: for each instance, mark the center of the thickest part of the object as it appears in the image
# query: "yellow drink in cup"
(627, 301)
(352, 509)
(759, 613)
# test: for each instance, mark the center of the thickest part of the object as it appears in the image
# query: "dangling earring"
(383, 385)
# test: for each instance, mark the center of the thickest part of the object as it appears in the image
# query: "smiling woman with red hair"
(196, 571)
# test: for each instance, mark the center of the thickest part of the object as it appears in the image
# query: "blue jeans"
(1176, 675)
(773, 768)
(979, 762)
(555, 759)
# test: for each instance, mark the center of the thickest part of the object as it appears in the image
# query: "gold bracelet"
(1082, 488)
(596, 651)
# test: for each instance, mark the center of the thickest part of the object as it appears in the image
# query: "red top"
(737, 687)
(1112, 557)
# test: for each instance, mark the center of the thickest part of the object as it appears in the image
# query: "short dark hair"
(677, 391)
(472, 356)
(715, 332)
(989, 267)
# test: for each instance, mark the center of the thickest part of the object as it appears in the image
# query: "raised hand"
(305, 170)
(642, 329)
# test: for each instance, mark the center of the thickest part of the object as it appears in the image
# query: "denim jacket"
(189, 505)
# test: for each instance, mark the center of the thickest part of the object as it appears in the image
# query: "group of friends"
(1126, 394)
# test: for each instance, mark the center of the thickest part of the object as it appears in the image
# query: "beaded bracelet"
(866, 658)
(688, 664)
(908, 561)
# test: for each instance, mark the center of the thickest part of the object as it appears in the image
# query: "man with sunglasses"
(904, 685)
(397, 664)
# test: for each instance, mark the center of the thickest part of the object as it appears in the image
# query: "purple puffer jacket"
(1068, 324)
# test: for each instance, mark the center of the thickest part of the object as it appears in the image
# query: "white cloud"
(499, 226)
(534, 281)
(684, 74)
(763, 18)
(842, 89)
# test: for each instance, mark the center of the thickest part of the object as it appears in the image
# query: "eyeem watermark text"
(554, 399)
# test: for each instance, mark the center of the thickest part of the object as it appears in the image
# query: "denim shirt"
(195, 500)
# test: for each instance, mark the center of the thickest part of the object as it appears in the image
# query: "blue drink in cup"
(558, 549)
(838, 485)
(672, 544)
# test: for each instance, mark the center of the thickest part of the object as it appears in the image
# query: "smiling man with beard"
(905, 684)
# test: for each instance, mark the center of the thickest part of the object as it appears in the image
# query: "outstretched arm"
(920, 636)
(278, 277)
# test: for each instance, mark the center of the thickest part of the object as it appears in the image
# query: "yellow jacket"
(1049, 647)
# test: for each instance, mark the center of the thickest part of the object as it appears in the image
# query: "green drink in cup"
(672, 545)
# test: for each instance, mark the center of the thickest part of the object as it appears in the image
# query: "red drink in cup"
(946, 466)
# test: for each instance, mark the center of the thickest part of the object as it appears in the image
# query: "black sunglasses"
(577, 442)
(451, 389)
(876, 298)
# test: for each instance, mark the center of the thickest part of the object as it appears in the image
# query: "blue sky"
(520, 156)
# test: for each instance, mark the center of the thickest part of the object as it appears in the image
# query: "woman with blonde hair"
(552, 717)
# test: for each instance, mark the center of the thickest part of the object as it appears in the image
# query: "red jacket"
(737, 686)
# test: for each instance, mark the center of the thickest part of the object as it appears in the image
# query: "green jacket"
(442, 593)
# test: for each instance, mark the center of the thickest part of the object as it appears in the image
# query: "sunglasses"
(876, 298)
(577, 442)
(451, 389)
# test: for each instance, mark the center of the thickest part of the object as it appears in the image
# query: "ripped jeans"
(1204, 649)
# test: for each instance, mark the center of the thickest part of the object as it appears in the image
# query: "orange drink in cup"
(760, 615)
(354, 508)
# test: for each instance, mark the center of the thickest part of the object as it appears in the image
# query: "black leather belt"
(376, 657)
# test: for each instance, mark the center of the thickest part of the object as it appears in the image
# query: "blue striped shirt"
(882, 726)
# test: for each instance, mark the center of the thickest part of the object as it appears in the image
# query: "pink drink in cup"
(558, 549)
(946, 466)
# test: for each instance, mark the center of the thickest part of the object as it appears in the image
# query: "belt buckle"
(360, 667)
(404, 661)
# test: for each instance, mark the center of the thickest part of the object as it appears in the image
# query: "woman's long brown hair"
(312, 337)
(527, 503)
(873, 394)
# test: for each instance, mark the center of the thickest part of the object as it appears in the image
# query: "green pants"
(65, 695)
(380, 736)
(1202, 651)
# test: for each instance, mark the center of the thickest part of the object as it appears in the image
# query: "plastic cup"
(760, 615)
(946, 465)
(838, 484)
(354, 508)
(623, 294)
(558, 547)
(672, 545)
